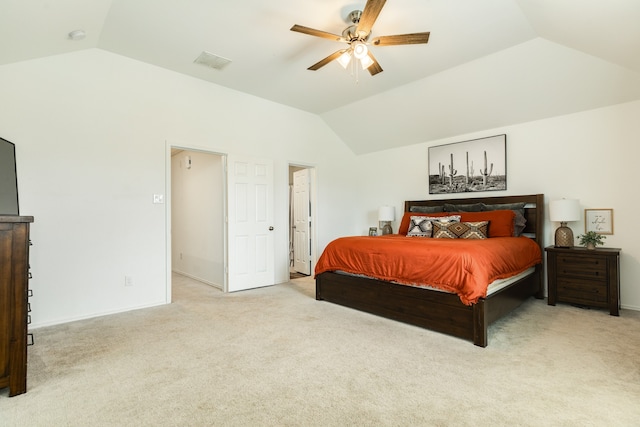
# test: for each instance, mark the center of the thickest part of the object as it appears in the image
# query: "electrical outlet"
(128, 281)
(158, 198)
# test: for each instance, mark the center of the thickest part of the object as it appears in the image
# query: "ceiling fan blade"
(374, 68)
(317, 33)
(414, 38)
(326, 60)
(369, 15)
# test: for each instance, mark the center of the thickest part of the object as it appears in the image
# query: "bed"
(435, 309)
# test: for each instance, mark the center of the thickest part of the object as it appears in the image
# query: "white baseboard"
(199, 279)
(93, 315)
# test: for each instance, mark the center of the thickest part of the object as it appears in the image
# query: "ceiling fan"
(357, 37)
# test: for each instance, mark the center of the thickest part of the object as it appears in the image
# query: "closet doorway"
(301, 220)
(197, 215)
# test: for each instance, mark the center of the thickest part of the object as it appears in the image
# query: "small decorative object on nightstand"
(563, 211)
(584, 277)
(591, 239)
(386, 214)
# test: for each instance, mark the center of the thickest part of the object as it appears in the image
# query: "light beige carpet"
(276, 356)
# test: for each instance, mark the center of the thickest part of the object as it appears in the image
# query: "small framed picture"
(598, 220)
(373, 231)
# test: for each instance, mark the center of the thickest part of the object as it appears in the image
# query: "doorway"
(301, 220)
(219, 204)
(197, 215)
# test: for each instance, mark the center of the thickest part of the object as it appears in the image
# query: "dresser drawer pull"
(30, 340)
(29, 293)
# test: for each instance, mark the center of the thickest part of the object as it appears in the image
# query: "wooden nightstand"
(588, 277)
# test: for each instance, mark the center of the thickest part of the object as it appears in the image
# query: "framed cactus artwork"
(469, 166)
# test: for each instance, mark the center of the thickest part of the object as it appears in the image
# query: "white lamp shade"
(366, 62)
(386, 213)
(360, 50)
(344, 59)
(564, 210)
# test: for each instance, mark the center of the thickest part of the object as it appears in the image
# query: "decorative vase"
(591, 245)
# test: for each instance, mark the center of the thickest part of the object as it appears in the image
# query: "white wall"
(91, 130)
(592, 156)
(197, 216)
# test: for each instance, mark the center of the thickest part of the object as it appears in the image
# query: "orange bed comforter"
(461, 266)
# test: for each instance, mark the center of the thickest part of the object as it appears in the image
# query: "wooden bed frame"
(435, 310)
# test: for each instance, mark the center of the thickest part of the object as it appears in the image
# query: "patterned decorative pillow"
(420, 226)
(501, 223)
(460, 230)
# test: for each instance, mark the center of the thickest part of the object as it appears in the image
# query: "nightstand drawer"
(590, 267)
(587, 292)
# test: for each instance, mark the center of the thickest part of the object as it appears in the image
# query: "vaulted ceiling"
(488, 63)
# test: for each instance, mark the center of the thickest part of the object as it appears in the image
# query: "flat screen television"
(8, 179)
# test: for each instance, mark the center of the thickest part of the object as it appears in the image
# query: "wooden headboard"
(533, 210)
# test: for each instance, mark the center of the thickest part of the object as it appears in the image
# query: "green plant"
(591, 237)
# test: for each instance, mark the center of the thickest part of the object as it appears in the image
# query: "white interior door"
(250, 223)
(301, 222)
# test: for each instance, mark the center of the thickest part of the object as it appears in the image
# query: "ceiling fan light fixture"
(360, 50)
(366, 62)
(357, 36)
(344, 59)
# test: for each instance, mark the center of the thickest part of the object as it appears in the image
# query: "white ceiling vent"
(212, 61)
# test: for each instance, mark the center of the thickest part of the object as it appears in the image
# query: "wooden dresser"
(14, 286)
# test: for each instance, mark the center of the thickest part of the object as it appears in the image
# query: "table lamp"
(563, 211)
(386, 214)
